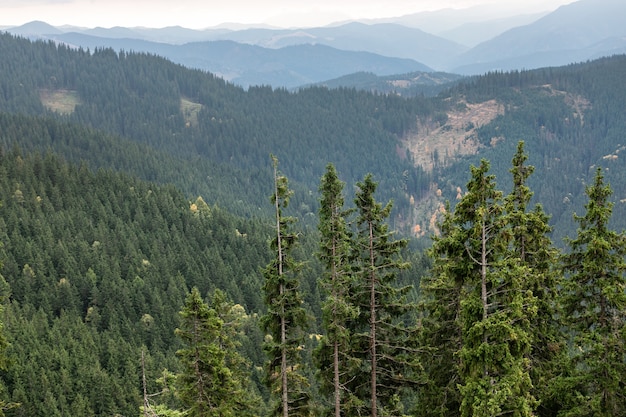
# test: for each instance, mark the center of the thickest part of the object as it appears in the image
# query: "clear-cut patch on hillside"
(59, 101)
(434, 144)
(190, 111)
(578, 103)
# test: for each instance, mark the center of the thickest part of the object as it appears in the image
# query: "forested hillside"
(96, 267)
(213, 139)
(132, 189)
(197, 117)
(572, 121)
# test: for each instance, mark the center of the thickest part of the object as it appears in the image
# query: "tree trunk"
(483, 284)
(283, 330)
(283, 363)
(336, 380)
(373, 323)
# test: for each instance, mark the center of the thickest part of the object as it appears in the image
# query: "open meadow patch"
(60, 101)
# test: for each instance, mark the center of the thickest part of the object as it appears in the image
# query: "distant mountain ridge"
(247, 65)
(411, 84)
(388, 39)
(572, 33)
(34, 29)
(428, 41)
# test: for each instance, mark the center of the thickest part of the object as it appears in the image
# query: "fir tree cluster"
(505, 324)
(492, 320)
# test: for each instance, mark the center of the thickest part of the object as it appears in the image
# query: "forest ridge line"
(423, 42)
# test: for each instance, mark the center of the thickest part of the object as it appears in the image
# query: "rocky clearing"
(433, 144)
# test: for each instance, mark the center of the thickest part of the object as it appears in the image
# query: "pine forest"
(175, 245)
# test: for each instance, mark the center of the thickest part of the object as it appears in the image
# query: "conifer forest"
(175, 245)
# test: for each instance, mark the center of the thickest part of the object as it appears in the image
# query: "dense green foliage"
(333, 354)
(571, 119)
(139, 97)
(4, 344)
(211, 138)
(499, 314)
(496, 306)
(594, 306)
(98, 264)
(285, 321)
(100, 252)
(212, 382)
(533, 249)
(487, 310)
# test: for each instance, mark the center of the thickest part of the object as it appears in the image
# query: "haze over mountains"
(470, 41)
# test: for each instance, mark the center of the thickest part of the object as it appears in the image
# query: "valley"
(145, 204)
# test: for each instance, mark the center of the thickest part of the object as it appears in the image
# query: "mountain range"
(127, 179)
(467, 42)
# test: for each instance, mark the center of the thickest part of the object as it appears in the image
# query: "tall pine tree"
(480, 308)
(285, 319)
(440, 332)
(533, 247)
(494, 309)
(387, 346)
(333, 354)
(594, 303)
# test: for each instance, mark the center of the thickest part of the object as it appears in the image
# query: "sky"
(200, 14)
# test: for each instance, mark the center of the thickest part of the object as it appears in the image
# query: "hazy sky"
(200, 14)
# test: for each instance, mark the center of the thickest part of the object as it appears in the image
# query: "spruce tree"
(494, 309)
(333, 354)
(533, 247)
(595, 309)
(386, 346)
(4, 345)
(211, 383)
(285, 319)
(246, 401)
(440, 333)
(480, 308)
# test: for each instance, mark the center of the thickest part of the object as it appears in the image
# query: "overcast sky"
(199, 14)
